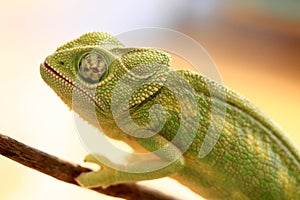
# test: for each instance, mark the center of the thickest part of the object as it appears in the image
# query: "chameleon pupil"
(92, 67)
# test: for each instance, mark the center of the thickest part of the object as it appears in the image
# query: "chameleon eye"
(92, 67)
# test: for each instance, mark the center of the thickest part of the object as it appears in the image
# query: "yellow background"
(255, 44)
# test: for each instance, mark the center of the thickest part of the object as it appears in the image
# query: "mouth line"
(74, 86)
(55, 73)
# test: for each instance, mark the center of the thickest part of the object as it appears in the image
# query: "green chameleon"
(251, 158)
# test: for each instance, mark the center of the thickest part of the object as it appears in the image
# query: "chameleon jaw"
(54, 73)
(46, 68)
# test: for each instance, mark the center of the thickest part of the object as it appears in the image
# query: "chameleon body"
(252, 158)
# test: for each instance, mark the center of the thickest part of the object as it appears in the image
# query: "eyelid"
(92, 66)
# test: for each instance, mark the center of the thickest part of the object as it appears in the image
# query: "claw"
(91, 158)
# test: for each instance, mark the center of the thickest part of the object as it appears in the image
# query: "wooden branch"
(66, 171)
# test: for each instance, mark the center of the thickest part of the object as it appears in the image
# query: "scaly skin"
(252, 159)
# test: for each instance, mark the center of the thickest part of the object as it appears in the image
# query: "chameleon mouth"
(55, 73)
(46, 67)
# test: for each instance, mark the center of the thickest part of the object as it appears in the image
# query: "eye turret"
(92, 67)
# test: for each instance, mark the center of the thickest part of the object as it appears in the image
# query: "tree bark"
(66, 171)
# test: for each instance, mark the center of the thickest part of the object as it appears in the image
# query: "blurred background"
(255, 44)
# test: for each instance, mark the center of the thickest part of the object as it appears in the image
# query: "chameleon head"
(84, 72)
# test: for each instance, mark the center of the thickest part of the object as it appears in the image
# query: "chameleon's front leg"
(107, 176)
